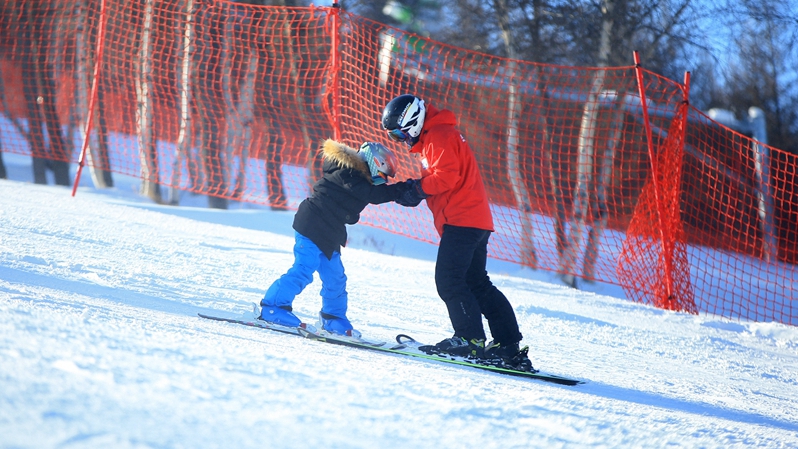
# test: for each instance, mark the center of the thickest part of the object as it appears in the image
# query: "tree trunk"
(209, 113)
(238, 133)
(147, 150)
(584, 178)
(31, 82)
(553, 164)
(286, 46)
(607, 164)
(3, 173)
(97, 156)
(103, 160)
(233, 129)
(246, 110)
(515, 175)
(184, 137)
(58, 156)
(587, 133)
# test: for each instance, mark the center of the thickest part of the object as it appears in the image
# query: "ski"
(407, 346)
(252, 319)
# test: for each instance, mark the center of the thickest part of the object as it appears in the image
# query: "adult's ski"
(407, 346)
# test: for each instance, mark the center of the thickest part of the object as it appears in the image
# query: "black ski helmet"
(403, 118)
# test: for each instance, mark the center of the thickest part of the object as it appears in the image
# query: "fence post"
(335, 62)
(663, 231)
(94, 86)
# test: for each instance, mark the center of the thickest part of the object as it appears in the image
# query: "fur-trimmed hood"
(344, 156)
(339, 196)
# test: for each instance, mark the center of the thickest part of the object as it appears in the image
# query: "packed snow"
(101, 346)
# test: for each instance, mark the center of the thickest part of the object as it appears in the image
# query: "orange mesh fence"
(740, 210)
(586, 179)
(653, 262)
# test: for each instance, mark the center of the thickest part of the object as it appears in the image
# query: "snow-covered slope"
(100, 346)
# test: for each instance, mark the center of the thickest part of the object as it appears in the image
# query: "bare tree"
(514, 174)
(183, 149)
(762, 73)
(144, 112)
(206, 90)
(284, 43)
(231, 116)
(97, 155)
(470, 28)
(4, 99)
(48, 146)
(586, 149)
(240, 111)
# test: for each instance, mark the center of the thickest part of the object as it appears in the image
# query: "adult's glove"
(413, 194)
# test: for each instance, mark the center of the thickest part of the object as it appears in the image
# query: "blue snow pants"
(308, 259)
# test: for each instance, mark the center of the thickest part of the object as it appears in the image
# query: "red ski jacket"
(450, 175)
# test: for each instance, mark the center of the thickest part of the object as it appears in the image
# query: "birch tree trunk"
(231, 114)
(72, 22)
(185, 133)
(3, 173)
(586, 151)
(298, 95)
(514, 173)
(584, 178)
(58, 155)
(147, 150)
(48, 149)
(607, 164)
(101, 128)
(516, 176)
(553, 165)
(246, 111)
(210, 106)
(30, 86)
(97, 156)
(287, 46)
(4, 100)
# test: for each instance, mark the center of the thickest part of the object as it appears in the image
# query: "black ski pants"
(463, 283)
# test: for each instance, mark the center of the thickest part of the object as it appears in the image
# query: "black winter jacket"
(339, 197)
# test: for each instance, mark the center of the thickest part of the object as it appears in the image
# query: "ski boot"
(337, 325)
(282, 316)
(509, 356)
(457, 346)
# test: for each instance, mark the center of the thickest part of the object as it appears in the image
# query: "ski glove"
(413, 195)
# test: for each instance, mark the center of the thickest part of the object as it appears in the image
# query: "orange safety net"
(586, 179)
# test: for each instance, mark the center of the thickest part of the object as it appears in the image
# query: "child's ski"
(252, 319)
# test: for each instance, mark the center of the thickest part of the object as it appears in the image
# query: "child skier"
(352, 180)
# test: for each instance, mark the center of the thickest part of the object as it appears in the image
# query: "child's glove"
(413, 195)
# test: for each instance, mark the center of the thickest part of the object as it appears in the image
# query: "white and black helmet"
(380, 160)
(403, 118)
